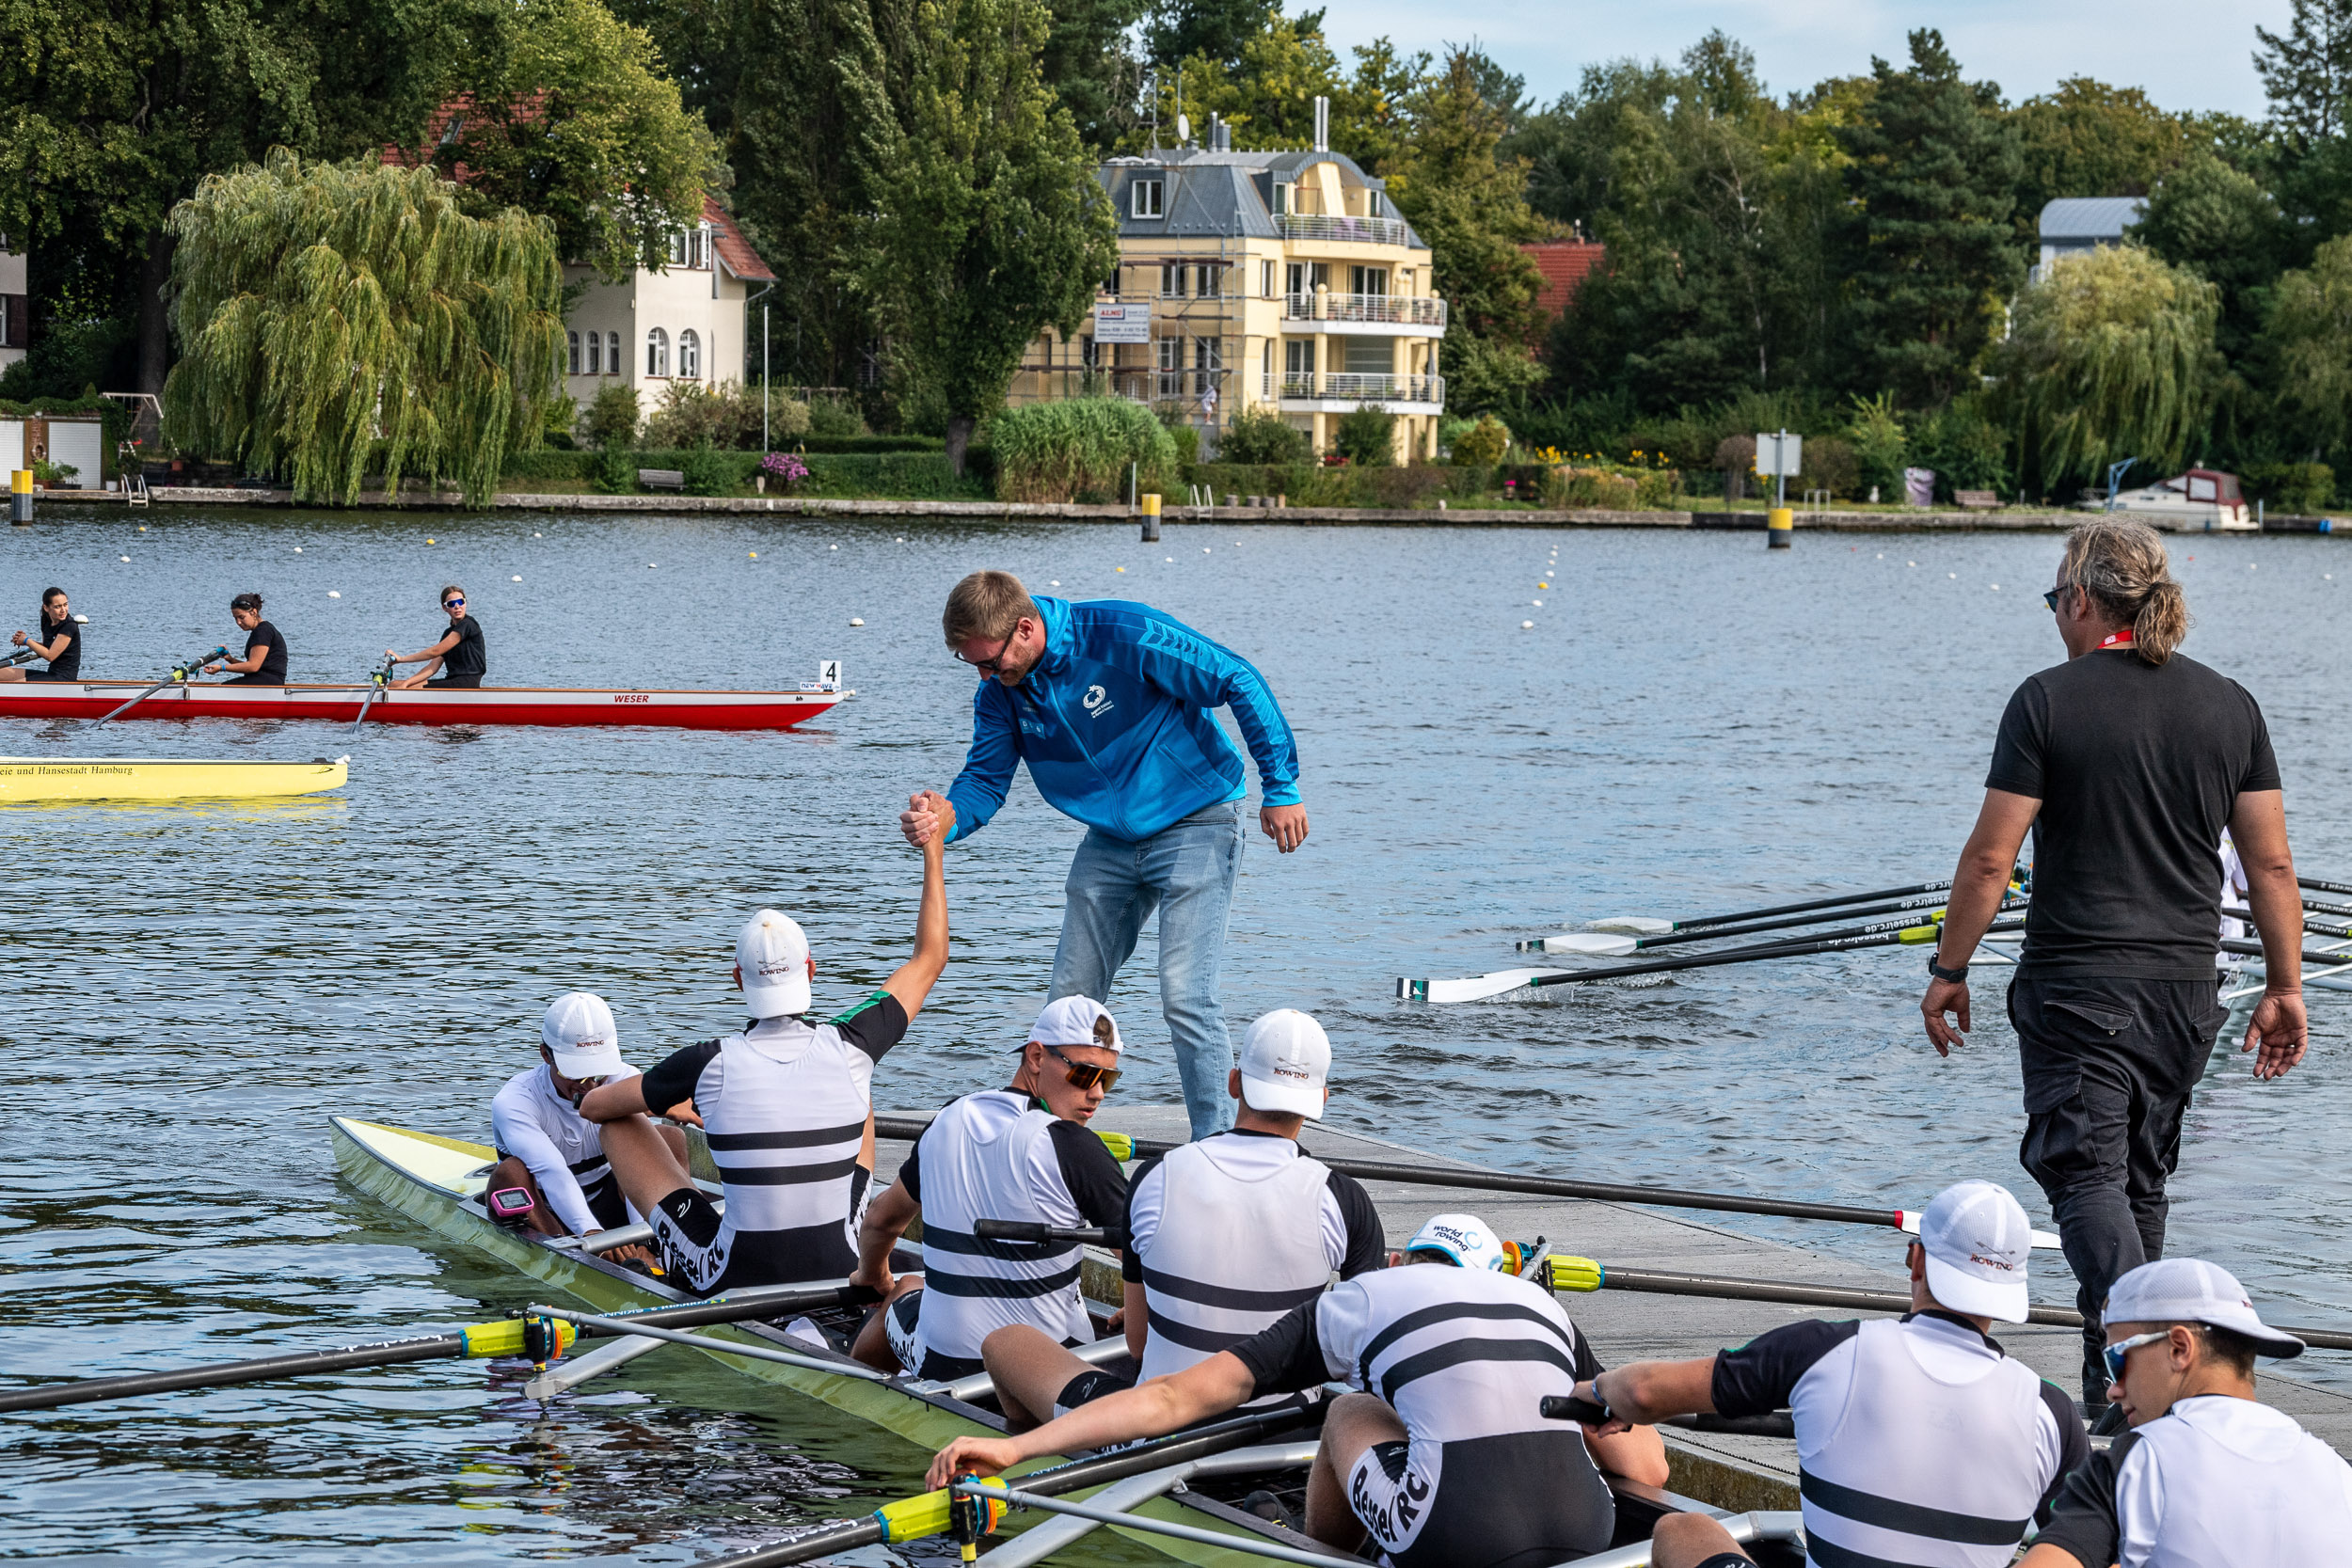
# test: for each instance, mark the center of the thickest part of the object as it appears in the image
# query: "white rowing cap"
(1078, 1020)
(1285, 1061)
(1463, 1237)
(1977, 1242)
(2189, 1289)
(771, 961)
(578, 1031)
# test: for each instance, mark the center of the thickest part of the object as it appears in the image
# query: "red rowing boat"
(488, 705)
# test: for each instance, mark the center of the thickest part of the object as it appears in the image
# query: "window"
(1295, 278)
(1266, 362)
(611, 354)
(690, 355)
(677, 247)
(1208, 363)
(1208, 282)
(1171, 368)
(571, 351)
(1298, 356)
(1090, 353)
(1265, 280)
(1171, 280)
(1368, 280)
(1282, 198)
(596, 353)
(699, 254)
(657, 353)
(1145, 197)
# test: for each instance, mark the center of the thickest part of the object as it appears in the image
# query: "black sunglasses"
(1082, 1076)
(2051, 598)
(994, 663)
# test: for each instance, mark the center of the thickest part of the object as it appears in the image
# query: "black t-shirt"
(1096, 1184)
(2138, 767)
(273, 670)
(468, 658)
(68, 664)
(873, 1026)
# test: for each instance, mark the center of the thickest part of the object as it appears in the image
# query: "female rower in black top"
(60, 642)
(265, 660)
(458, 653)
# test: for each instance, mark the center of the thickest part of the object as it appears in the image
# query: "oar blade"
(1475, 988)
(1631, 925)
(1592, 943)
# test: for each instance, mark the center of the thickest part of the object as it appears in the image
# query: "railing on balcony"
(1339, 227)
(1409, 309)
(1364, 387)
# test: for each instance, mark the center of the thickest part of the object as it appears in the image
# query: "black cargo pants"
(2109, 1068)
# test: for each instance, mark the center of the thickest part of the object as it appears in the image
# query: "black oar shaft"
(1542, 1186)
(1076, 1476)
(2318, 886)
(387, 1353)
(1821, 904)
(2318, 961)
(1751, 927)
(1668, 1282)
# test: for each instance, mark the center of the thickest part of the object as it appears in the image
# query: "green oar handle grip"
(1048, 1235)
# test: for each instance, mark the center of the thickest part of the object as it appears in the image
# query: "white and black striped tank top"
(1235, 1248)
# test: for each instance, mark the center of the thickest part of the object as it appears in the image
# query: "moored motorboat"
(437, 1181)
(488, 705)
(28, 778)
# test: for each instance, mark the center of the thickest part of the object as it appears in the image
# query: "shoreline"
(816, 506)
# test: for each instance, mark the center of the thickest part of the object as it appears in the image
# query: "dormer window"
(1147, 199)
(1282, 198)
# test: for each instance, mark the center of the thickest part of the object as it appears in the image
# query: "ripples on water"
(1692, 726)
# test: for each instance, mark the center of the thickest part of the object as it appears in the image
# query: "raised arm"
(1980, 883)
(2258, 826)
(915, 979)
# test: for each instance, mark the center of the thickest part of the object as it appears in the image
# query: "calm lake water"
(1691, 725)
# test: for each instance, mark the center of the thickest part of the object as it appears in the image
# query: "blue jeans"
(1187, 872)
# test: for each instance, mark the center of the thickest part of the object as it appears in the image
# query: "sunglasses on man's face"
(2052, 598)
(1083, 1076)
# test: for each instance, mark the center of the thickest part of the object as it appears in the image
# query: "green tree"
(1934, 177)
(2110, 354)
(1091, 69)
(112, 110)
(2307, 73)
(1268, 96)
(2308, 341)
(567, 115)
(987, 225)
(1471, 210)
(339, 317)
(1214, 29)
(2224, 226)
(2088, 138)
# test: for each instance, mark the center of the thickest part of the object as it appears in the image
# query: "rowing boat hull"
(48, 778)
(430, 1179)
(488, 705)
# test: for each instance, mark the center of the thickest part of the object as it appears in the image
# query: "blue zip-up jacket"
(1115, 725)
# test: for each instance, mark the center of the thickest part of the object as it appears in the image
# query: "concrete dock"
(1730, 1471)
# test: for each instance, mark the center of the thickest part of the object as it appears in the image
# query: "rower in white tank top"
(786, 1106)
(1025, 1153)
(551, 1175)
(1919, 1441)
(2207, 1478)
(1224, 1236)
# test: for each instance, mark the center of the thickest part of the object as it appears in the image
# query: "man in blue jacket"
(1109, 704)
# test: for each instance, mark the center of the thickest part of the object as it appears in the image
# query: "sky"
(2186, 54)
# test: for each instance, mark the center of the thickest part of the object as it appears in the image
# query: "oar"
(1568, 1407)
(912, 1518)
(22, 655)
(1484, 987)
(994, 1490)
(176, 677)
(1596, 944)
(717, 1347)
(2318, 886)
(1584, 1275)
(1635, 924)
(533, 1335)
(1468, 1180)
(378, 680)
(2254, 949)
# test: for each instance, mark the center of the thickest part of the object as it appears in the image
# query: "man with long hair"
(2126, 762)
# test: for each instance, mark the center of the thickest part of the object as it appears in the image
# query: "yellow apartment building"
(1284, 280)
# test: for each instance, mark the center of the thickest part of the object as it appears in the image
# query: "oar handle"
(1050, 1235)
(1776, 1423)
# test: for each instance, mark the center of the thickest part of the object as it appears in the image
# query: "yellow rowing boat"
(24, 779)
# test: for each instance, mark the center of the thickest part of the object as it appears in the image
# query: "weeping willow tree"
(342, 320)
(2111, 355)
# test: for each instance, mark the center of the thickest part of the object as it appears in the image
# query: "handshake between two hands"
(930, 815)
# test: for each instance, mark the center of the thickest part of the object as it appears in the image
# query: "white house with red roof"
(687, 322)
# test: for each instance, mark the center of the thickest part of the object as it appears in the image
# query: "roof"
(1219, 195)
(735, 252)
(2091, 217)
(1564, 265)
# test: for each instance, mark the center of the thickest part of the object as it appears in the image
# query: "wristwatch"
(1956, 976)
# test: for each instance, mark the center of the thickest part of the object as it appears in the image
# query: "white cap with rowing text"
(1285, 1058)
(1078, 1020)
(1463, 1237)
(772, 956)
(2189, 1289)
(1977, 1239)
(578, 1031)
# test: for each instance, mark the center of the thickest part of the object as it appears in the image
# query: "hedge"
(904, 475)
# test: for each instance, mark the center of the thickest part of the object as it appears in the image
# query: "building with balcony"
(1278, 280)
(684, 323)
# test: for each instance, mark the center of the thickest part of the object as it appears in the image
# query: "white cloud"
(2186, 55)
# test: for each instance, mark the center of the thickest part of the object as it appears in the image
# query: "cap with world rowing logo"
(1463, 1237)
(1977, 1239)
(772, 962)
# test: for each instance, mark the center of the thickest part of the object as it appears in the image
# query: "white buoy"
(837, 546)
(332, 594)
(514, 580)
(539, 536)
(297, 548)
(1527, 626)
(126, 557)
(1537, 603)
(855, 622)
(1055, 584)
